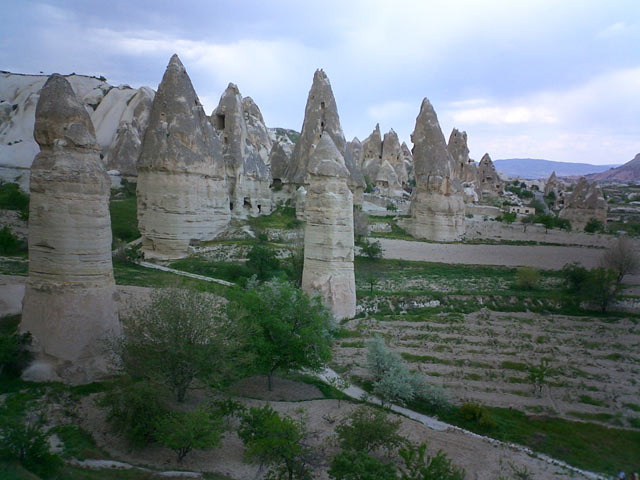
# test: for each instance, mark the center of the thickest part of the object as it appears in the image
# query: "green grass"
(517, 366)
(12, 198)
(78, 443)
(281, 218)
(124, 219)
(591, 401)
(230, 271)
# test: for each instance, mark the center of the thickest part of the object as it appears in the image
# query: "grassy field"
(124, 219)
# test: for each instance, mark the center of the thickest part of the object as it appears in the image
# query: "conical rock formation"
(584, 203)
(69, 306)
(247, 145)
(488, 181)
(320, 117)
(437, 206)
(464, 168)
(182, 192)
(328, 240)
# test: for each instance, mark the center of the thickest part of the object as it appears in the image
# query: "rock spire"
(437, 206)
(69, 305)
(182, 192)
(328, 240)
(585, 202)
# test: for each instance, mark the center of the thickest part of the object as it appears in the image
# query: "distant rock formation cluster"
(182, 191)
(385, 164)
(69, 306)
(489, 182)
(437, 207)
(119, 115)
(585, 202)
(328, 237)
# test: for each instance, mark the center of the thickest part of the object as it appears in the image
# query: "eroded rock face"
(69, 304)
(247, 145)
(463, 167)
(437, 206)
(584, 203)
(489, 182)
(328, 239)
(393, 155)
(372, 154)
(320, 117)
(182, 191)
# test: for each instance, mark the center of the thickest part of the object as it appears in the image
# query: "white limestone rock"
(69, 306)
(437, 206)
(182, 191)
(328, 240)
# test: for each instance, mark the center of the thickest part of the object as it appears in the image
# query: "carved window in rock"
(322, 115)
(219, 121)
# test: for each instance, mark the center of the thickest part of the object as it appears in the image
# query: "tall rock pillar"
(328, 236)
(182, 190)
(69, 306)
(437, 206)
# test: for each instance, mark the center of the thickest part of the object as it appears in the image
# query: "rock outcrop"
(464, 168)
(354, 149)
(328, 239)
(69, 306)
(119, 115)
(321, 117)
(393, 154)
(437, 206)
(489, 182)
(585, 202)
(247, 146)
(551, 185)
(385, 163)
(372, 155)
(182, 192)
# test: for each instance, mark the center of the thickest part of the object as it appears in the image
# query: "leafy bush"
(472, 412)
(12, 198)
(358, 465)
(372, 250)
(417, 466)
(527, 278)
(181, 335)
(133, 410)
(622, 258)
(14, 353)
(289, 328)
(575, 276)
(392, 207)
(368, 429)
(598, 285)
(28, 445)
(184, 431)
(393, 382)
(279, 442)
(507, 217)
(9, 244)
(262, 261)
(594, 226)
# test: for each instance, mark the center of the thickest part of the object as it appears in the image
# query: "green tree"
(14, 353)
(621, 258)
(276, 441)
(527, 278)
(181, 335)
(263, 261)
(368, 429)
(372, 250)
(358, 465)
(184, 431)
(291, 330)
(600, 287)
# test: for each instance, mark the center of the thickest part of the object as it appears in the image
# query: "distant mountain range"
(533, 168)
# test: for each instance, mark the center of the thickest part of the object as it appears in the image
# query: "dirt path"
(538, 256)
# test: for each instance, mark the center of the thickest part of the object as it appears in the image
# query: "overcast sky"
(558, 80)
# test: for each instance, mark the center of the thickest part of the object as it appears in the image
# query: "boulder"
(182, 191)
(69, 306)
(328, 239)
(437, 206)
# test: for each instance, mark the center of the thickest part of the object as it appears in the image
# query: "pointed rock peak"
(487, 159)
(356, 140)
(61, 118)
(320, 76)
(552, 177)
(176, 87)
(175, 61)
(232, 87)
(326, 160)
(458, 136)
(430, 154)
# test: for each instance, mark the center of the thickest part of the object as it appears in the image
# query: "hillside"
(629, 172)
(538, 168)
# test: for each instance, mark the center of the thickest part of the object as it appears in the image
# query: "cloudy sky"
(544, 79)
